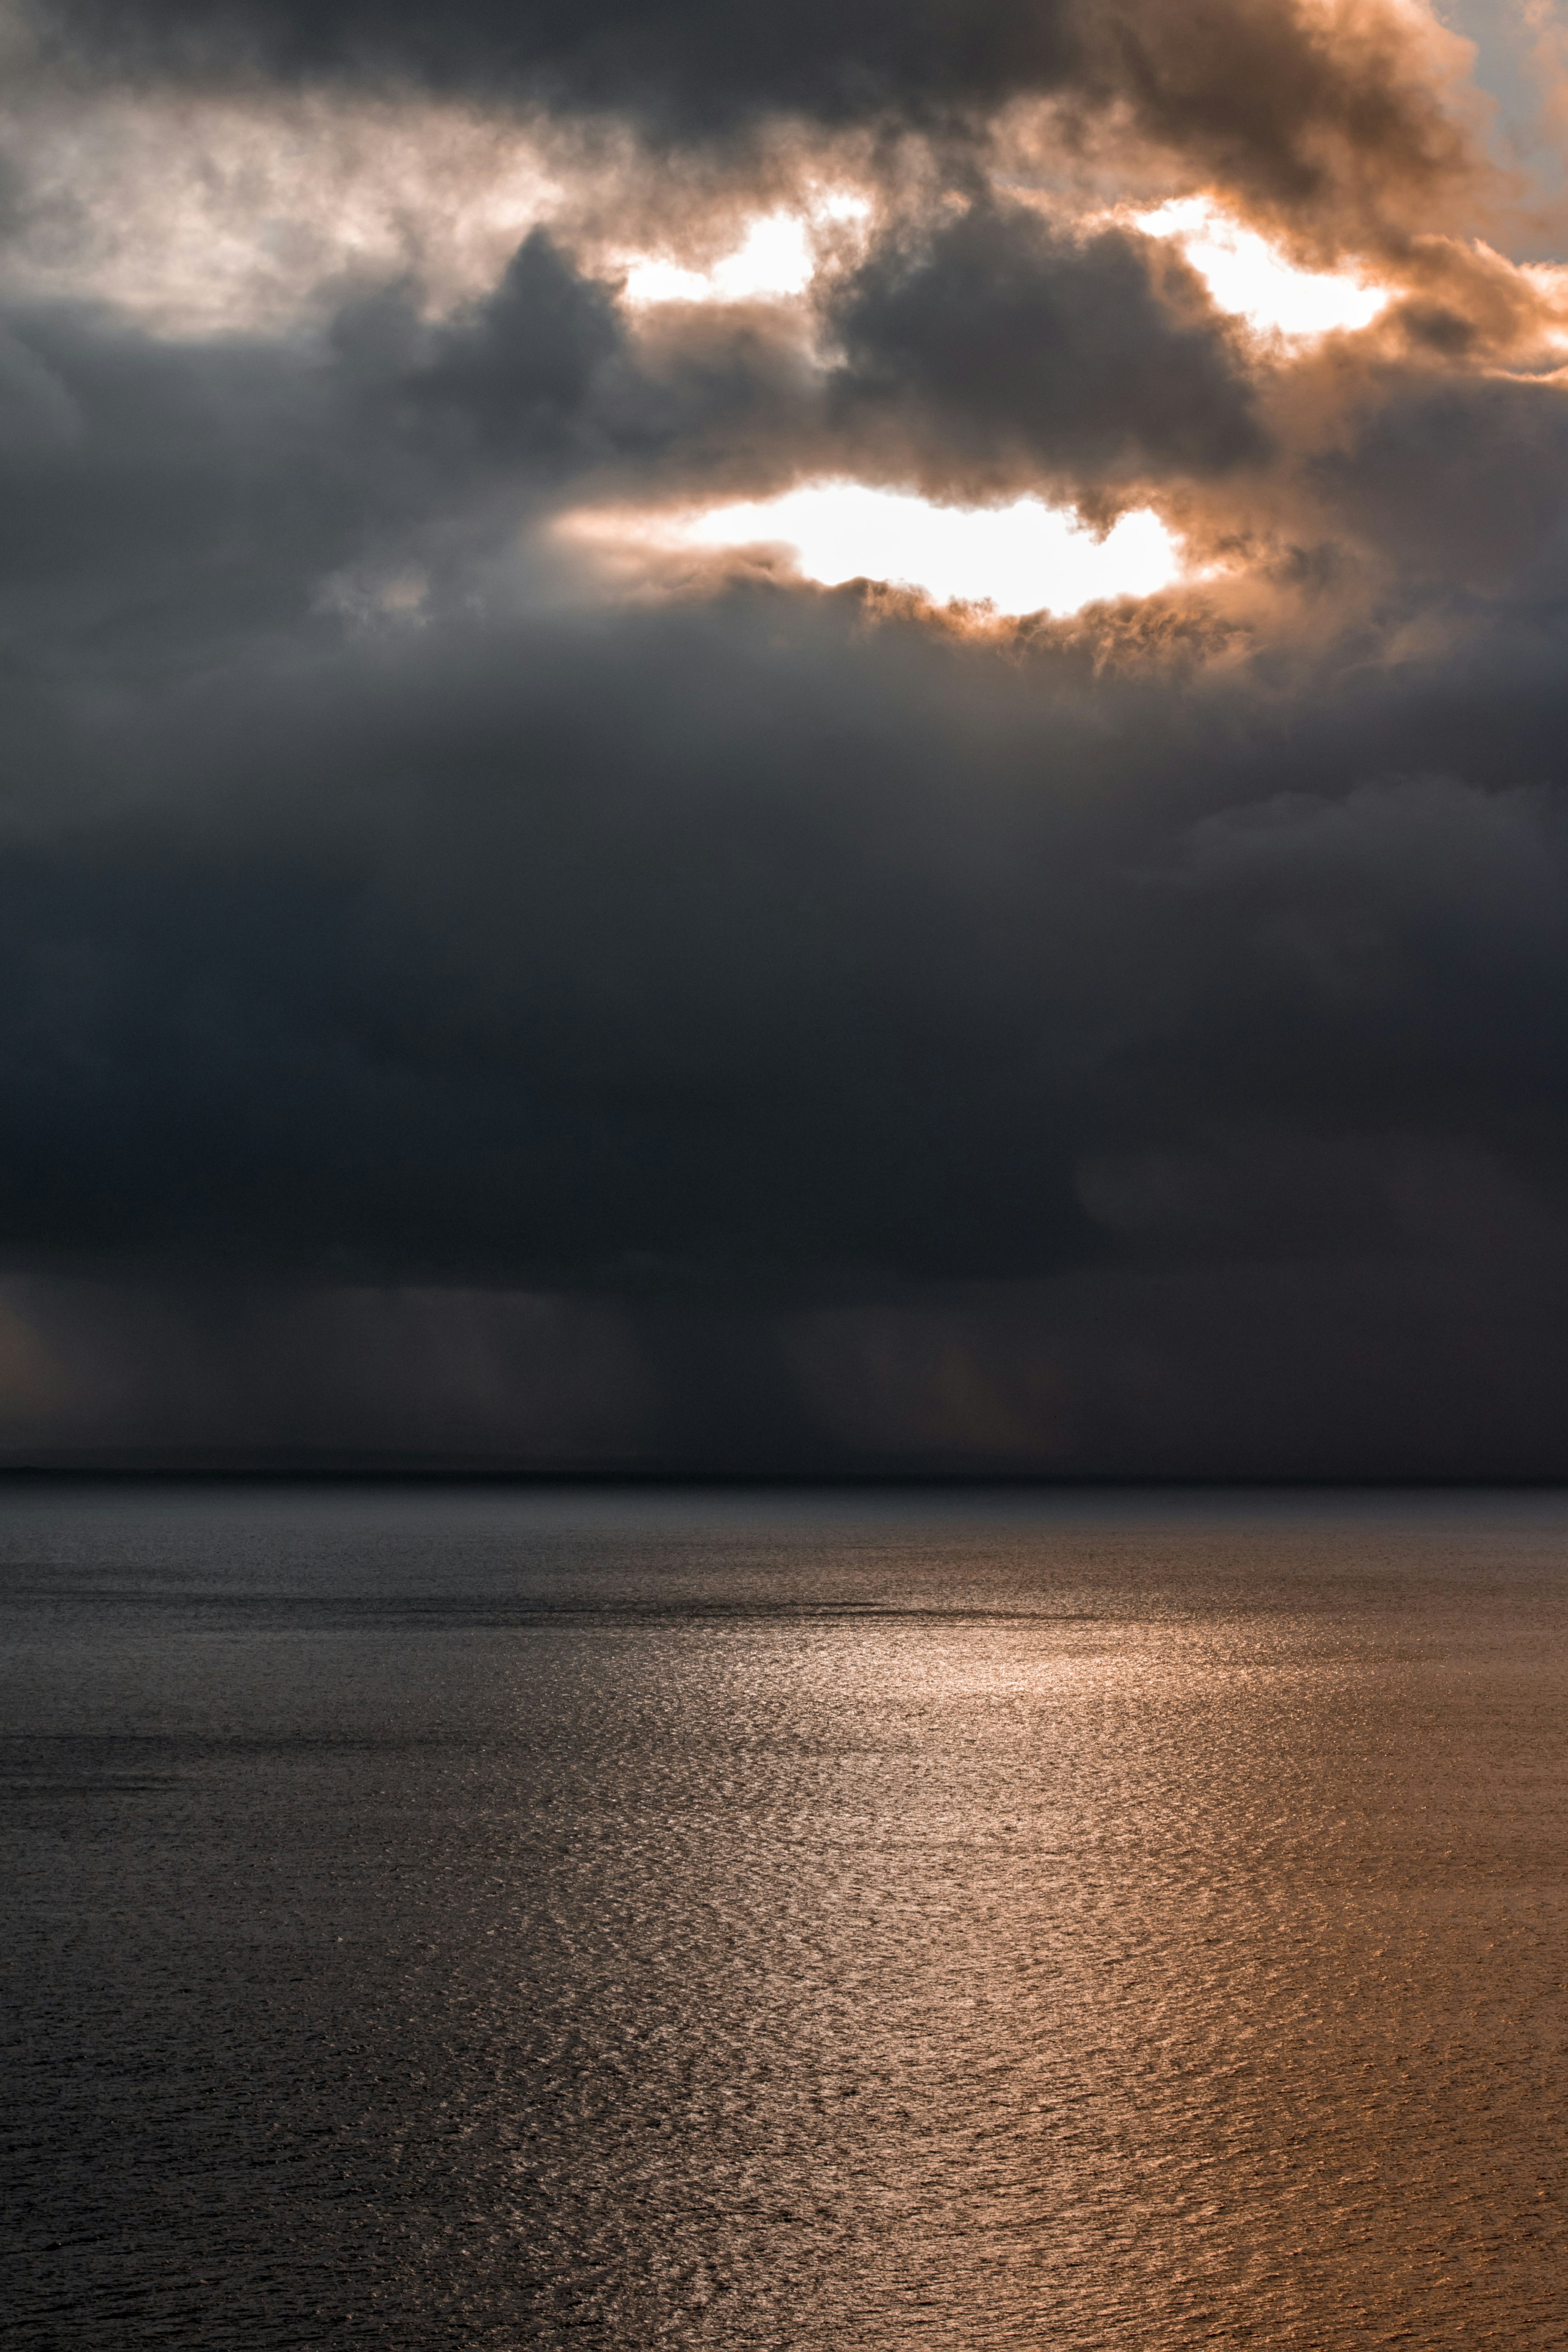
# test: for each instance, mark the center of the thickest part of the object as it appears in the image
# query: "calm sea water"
(499, 1919)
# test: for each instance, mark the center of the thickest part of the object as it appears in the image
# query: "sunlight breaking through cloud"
(1245, 276)
(776, 259)
(1024, 558)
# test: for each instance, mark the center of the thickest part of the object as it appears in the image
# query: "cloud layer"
(470, 999)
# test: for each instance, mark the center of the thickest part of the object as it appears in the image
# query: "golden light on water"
(1024, 558)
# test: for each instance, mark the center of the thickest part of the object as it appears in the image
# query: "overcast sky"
(504, 963)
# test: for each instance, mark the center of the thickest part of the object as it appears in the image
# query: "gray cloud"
(447, 1007)
(694, 67)
(1423, 1339)
(1317, 111)
(997, 352)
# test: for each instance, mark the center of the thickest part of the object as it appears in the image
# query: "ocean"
(462, 1916)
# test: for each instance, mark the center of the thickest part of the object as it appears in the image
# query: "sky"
(786, 743)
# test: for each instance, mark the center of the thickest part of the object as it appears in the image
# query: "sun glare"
(1023, 558)
(1248, 278)
(776, 258)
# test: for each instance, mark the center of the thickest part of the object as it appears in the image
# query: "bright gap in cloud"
(775, 260)
(1248, 278)
(1024, 558)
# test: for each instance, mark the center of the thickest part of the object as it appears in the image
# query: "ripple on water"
(515, 1919)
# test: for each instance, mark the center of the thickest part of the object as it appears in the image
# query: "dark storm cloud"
(982, 354)
(542, 381)
(1314, 109)
(1425, 1339)
(1420, 1334)
(1400, 952)
(691, 67)
(730, 941)
(446, 1006)
(150, 489)
(159, 495)
(998, 351)
(1306, 109)
(547, 952)
(352, 928)
(1464, 483)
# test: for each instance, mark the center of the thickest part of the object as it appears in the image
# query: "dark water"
(443, 1919)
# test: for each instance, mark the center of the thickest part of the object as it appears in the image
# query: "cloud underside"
(460, 1006)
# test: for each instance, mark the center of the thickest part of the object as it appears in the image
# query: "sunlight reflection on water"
(453, 1918)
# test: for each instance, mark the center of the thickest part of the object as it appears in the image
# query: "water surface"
(495, 1919)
